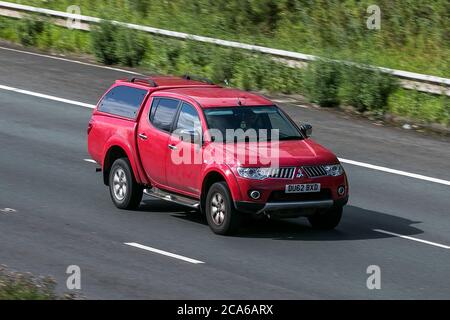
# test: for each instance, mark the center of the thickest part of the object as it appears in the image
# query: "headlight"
(253, 173)
(334, 170)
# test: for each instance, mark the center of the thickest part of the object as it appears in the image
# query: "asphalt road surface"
(62, 214)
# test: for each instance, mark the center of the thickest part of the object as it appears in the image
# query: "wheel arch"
(113, 153)
(214, 175)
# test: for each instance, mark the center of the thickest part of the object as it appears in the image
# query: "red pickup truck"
(226, 152)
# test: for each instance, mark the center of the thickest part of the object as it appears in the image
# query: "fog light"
(255, 195)
(341, 190)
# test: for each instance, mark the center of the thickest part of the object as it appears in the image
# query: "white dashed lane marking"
(164, 253)
(413, 239)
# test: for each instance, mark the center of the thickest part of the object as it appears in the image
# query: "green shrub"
(364, 88)
(420, 106)
(29, 29)
(112, 44)
(141, 7)
(104, 42)
(261, 72)
(131, 47)
(192, 58)
(224, 64)
(249, 73)
(172, 54)
(329, 83)
(282, 78)
(8, 29)
(321, 82)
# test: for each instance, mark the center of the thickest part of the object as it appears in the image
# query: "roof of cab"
(161, 81)
(203, 91)
(212, 97)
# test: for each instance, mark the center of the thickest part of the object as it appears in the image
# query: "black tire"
(231, 220)
(131, 194)
(327, 219)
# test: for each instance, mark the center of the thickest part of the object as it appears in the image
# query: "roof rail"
(197, 78)
(145, 80)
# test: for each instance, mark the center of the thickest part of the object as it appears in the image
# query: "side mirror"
(306, 129)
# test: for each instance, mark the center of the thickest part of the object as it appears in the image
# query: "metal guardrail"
(411, 80)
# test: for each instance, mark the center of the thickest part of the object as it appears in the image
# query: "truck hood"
(282, 153)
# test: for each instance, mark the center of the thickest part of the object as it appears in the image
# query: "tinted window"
(188, 119)
(188, 123)
(123, 101)
(164, 113)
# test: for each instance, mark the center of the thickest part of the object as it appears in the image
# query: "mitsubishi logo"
(299, 173)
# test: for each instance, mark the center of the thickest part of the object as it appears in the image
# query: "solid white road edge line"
(164, 253)
(413, 239)
(352, 162)
(48, 97)
(72, 61)
(401, 173)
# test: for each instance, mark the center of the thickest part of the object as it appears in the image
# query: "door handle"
(142, 136)
(172, 147)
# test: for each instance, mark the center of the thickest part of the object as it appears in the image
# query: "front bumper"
(274, 201)
(267, 188)
(287, 206)
(292, 206)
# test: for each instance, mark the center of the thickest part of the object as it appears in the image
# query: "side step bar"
(172, 197)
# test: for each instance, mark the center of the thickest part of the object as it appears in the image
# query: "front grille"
(282, 173)
(315, 171)
(281, 196)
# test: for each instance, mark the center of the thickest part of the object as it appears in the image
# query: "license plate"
(303, 188)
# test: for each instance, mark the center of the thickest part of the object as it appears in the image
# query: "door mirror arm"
(306, 129)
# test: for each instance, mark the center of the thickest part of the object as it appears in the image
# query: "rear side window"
(163, 112)
(123, 101)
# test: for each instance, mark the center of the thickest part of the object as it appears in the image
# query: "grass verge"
(25, 286)
(413, 36)
(325, 83)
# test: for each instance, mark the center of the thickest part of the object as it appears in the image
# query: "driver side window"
(188, 121)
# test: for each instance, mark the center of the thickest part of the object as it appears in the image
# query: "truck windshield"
(268, 122)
